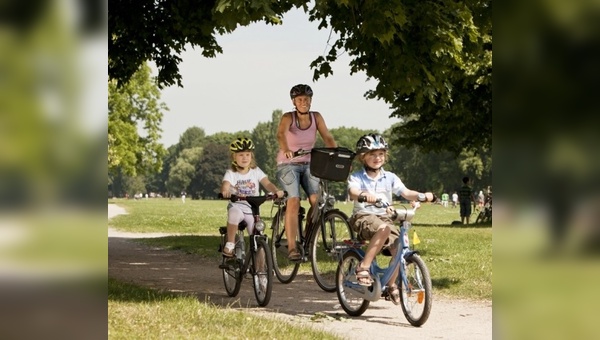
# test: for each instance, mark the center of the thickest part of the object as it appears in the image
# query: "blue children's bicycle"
(414, 280)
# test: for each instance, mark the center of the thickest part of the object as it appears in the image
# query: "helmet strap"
(302, 113)
(237, 166)
(369, 169)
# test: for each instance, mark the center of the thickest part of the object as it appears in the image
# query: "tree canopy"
(132, 108)
(432, 59)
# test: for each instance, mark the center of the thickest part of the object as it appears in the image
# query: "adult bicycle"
(320, 240)
(253, 259)
(414, 280)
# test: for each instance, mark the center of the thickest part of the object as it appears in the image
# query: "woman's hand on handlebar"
(289, 154)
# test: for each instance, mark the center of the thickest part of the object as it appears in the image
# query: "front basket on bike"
(332, 164)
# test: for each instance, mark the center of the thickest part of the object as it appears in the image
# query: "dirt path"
(300, 302)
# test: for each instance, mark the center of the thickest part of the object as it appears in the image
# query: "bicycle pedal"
(224, 266)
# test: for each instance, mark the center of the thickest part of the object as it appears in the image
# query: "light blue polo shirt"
(383, 186)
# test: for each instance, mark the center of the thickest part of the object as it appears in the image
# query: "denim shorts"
(291, 176)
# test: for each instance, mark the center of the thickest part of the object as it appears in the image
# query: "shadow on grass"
(444, 282)
(204, 245)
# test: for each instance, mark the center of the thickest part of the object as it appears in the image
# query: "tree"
(432, 60)
(184, 170)
(210, 170)
(131, 108)
(264, 136)
(191, 138)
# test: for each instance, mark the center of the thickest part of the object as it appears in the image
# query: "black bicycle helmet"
(301, 90)
(371, 142)
(241, 144)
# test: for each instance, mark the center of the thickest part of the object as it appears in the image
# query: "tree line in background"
(197, 163)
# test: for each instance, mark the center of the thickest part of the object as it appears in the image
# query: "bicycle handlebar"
(300, 153)
(269, 196)
(405, 215)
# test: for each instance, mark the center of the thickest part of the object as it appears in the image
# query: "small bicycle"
(414, 279)
(485, 215)
(325, 230)
(254, 259)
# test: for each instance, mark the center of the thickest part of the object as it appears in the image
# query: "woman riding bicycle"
(243, 180)
(365, 187)
(298, 130)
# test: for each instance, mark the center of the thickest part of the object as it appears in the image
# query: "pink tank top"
(299, 139)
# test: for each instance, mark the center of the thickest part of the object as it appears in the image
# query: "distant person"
(465, 197)
(445, 197)
(480, 199)
(370, 222)
(298, 130)
(183, 196)
(242, 179)
(454, 199)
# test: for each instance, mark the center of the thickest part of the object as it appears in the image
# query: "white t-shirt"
(247, 184)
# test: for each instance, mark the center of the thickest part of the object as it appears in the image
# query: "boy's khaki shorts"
(365, 226)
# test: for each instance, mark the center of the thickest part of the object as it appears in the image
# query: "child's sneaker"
(228, 250)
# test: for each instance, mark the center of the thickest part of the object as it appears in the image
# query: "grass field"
(459, 258)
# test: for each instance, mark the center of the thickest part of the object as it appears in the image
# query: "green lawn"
(459, 258)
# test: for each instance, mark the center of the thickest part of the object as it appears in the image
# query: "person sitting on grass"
(365, 187)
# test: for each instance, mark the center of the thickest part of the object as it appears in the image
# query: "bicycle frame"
(384, 274)
(244, 260)
(325, 203)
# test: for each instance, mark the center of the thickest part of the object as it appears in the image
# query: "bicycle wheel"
(232, 276)
(285, 270)
(324, 250)
(262, 277)
(347, 288)
(480, 217)
(417, 296)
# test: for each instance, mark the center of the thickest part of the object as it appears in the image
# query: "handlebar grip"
(362, 199)
(300, 152)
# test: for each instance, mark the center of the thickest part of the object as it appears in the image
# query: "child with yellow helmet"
(243, 179)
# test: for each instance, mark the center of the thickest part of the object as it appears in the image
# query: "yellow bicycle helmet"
(241, 144)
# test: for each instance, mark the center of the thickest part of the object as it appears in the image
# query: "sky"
(253, 76)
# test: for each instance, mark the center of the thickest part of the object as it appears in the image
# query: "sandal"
(228, 249)
(363, 276)
(394, 294)
(294, 255)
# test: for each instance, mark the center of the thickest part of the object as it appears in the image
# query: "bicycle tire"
(232, 275)
(480, 217)
(324, 248)
(350, 300)
(285, 270)
(262, 278)
(416, 299)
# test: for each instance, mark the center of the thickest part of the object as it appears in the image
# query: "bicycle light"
(259, 225)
